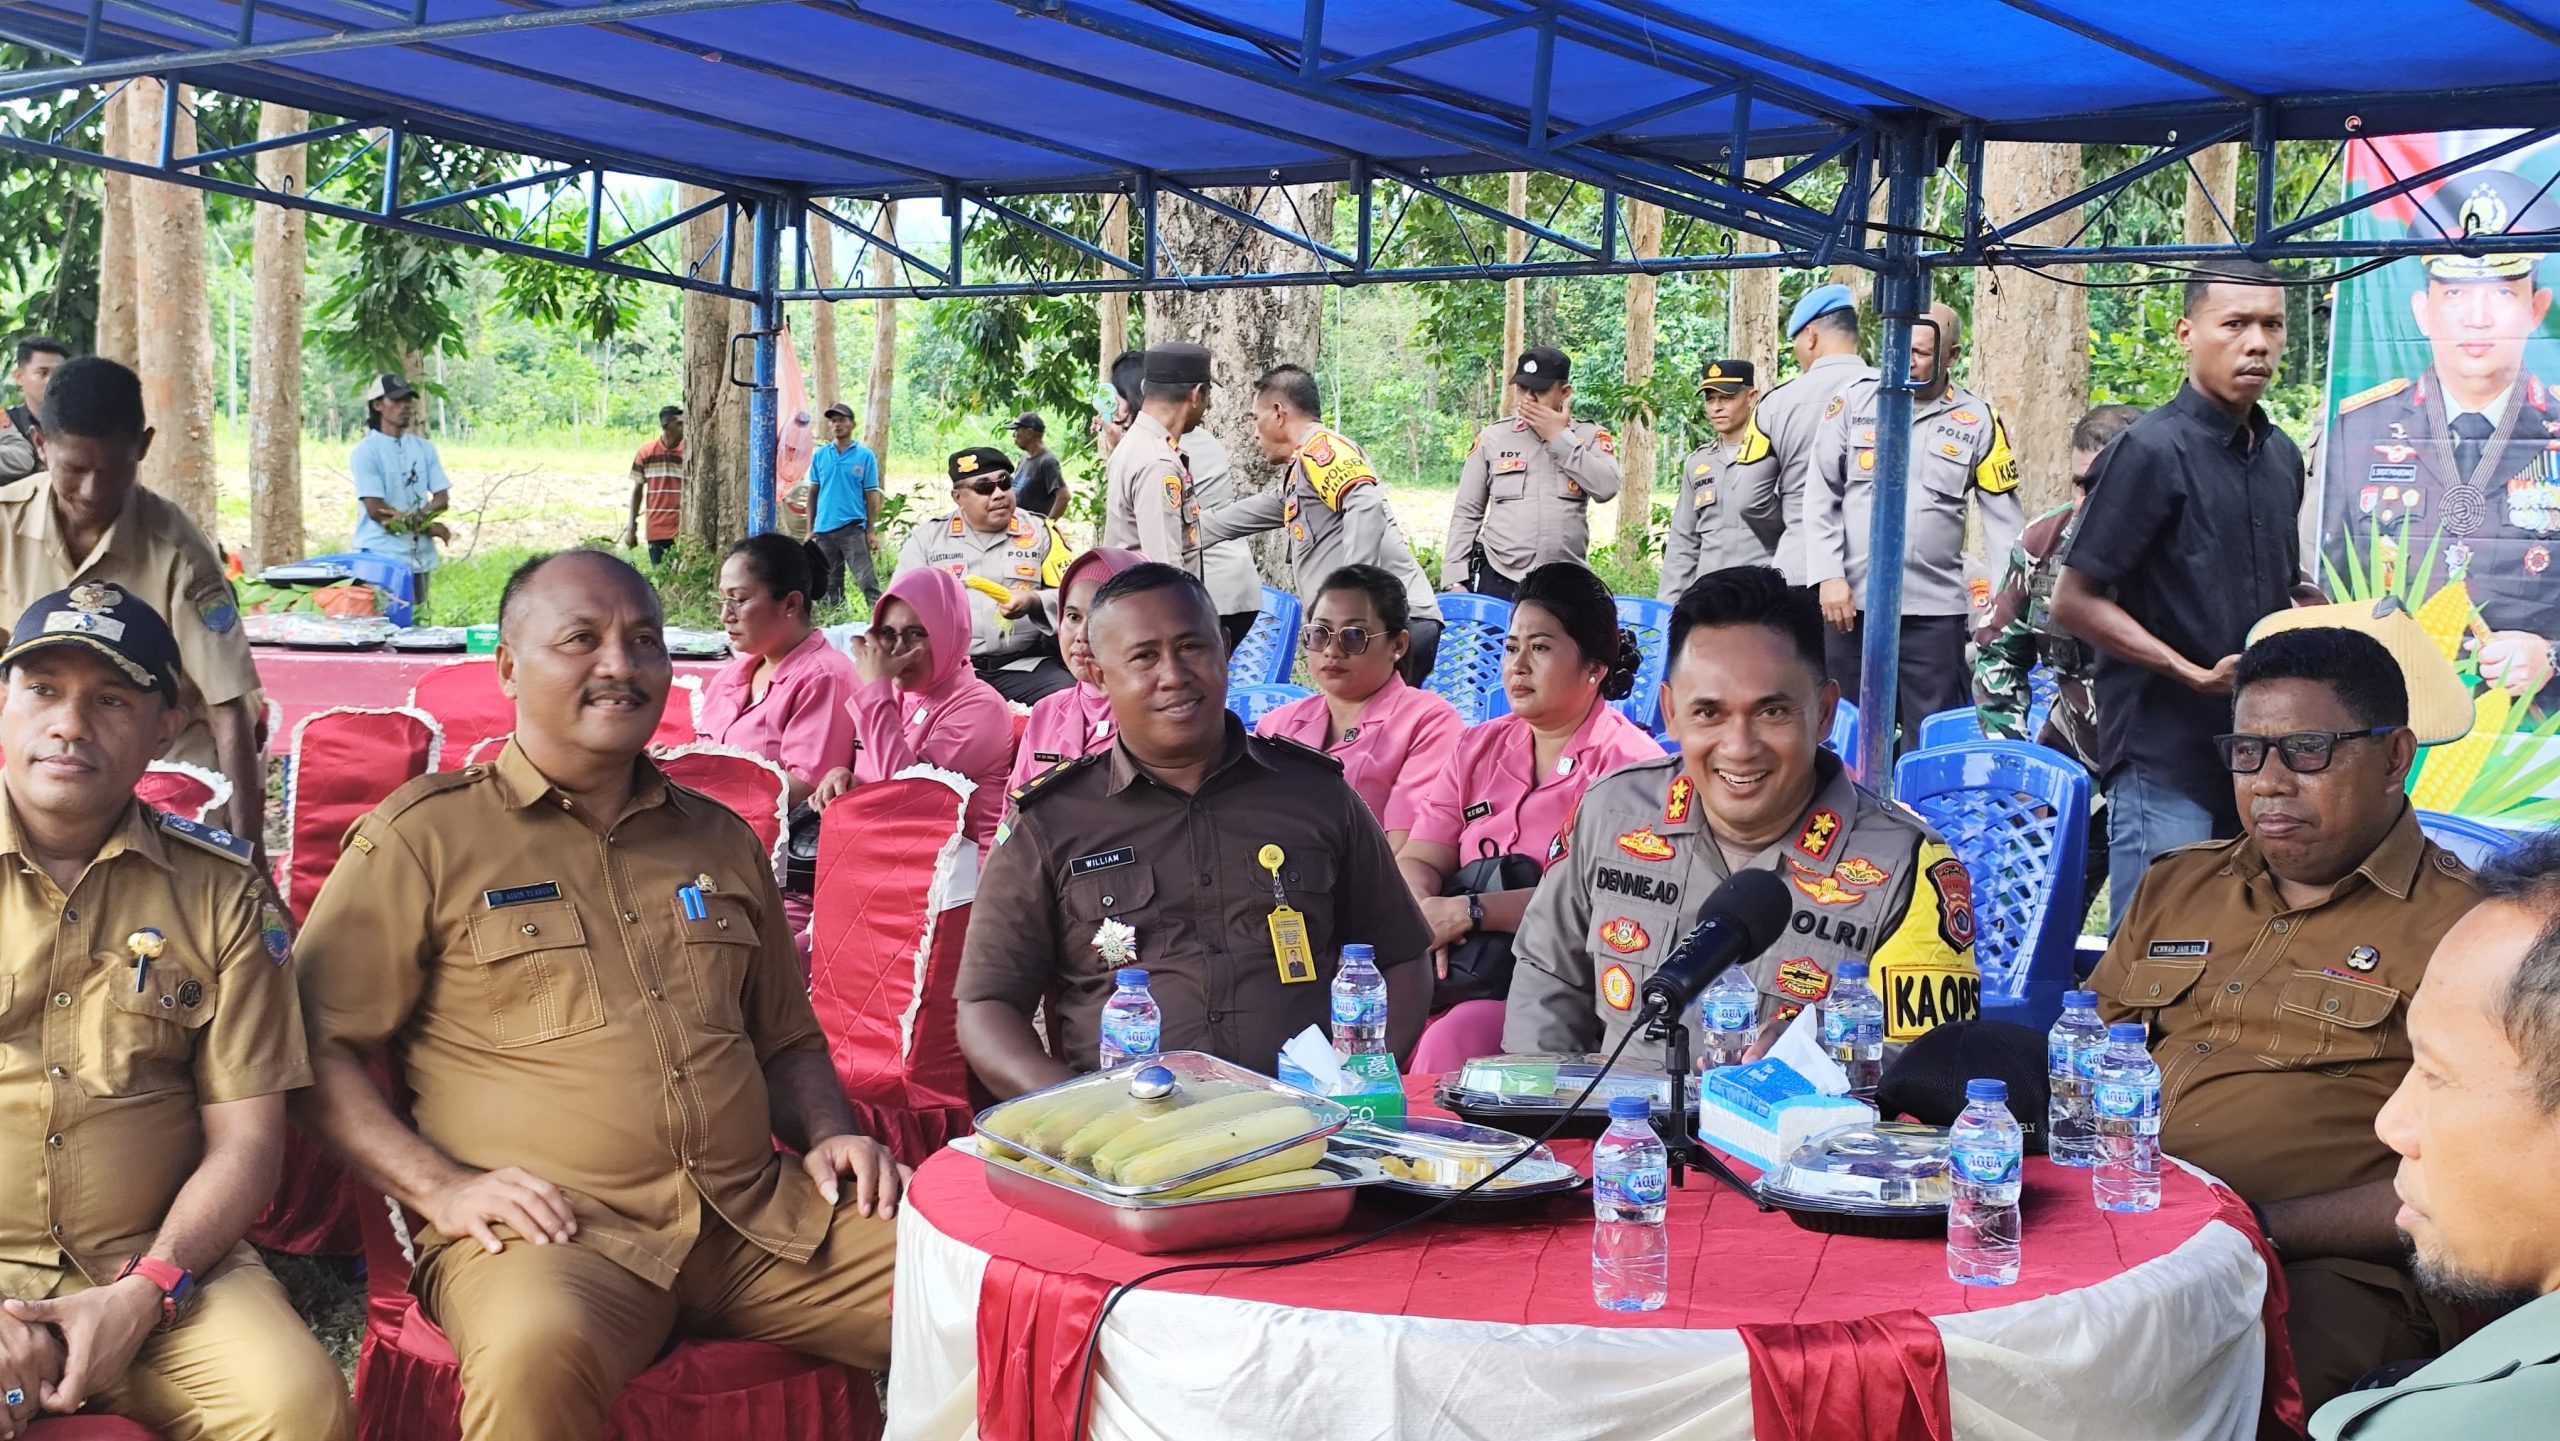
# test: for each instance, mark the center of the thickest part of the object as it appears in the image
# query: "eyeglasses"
(908, 639)
(2305, 752)
(1318, 637)
(989, 487)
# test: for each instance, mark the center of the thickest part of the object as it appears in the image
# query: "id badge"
(1289, 946)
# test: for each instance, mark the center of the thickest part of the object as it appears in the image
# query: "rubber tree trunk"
(1751, 315)
(172, 325)
(116, 294)
(1636, 440)
(1111, 308)
(1515, 294)
(715, 450)
(826, 374)
(880, 387)
(2212, 186)
(1247, 331)
(2030, 337)
(278, 249)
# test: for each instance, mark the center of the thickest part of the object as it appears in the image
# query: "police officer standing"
(1823, 331)
(986, 537)
(585, 976)
(1959, 451)
(2460, 459)
(154, 1033)
(1752, 788)
(1232, 867)
(1728, 512)
(1525, 494)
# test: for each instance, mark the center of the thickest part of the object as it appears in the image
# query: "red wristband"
(174, 1281)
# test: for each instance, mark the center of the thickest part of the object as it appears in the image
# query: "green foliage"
(46, 286)
(596, 306)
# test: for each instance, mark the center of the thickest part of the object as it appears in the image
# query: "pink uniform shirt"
(1065, 725)
(954, 720)
(1486, 794)
(802, 725)
(1402, 742)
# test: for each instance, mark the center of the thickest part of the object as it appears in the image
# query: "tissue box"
(1376, 1093)
(1761, 1112)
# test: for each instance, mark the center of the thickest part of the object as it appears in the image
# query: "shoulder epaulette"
(1301, 749)
(2363, 398)
(1755, 444)
(211, 838)
(1036, 787)
(434, 783)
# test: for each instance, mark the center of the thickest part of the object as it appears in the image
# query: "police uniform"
(18, 456)
(1870, 881)
(158, 556)
(1018, 656)
(1099, 840)
(1226, 567)
(1524, 502)
(598, 1009)
(161, 983)
(1337, 514)
(1728, 511)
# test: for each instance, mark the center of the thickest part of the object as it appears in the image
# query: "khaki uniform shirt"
(1791, 416)
(1226, 567)
(2503, 1380)
(158, 555)
(1010, 557)
(2280, 1033)
(100, 1081)
(1728, 513)
(1099, 839)
(555, 1008)
(1149, 507)
(1337, 514)
(1959, 450)
(1870, 881)
(1526, 500)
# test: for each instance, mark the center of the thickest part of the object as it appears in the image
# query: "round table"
(2120, 1326)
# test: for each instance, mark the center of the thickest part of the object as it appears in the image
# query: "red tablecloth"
(303, 681)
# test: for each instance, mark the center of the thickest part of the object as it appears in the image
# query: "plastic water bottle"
(2070, 1062)
(1359, 1003)
(1131, 1024)
(1984, 1152)
(2127, 1102)
(1630, 1186)
(1728, 1017)
(1852, 1021)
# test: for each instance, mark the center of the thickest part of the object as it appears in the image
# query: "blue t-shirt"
(841, 477)
(401, 471)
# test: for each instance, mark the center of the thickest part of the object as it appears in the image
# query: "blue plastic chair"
(2473, 840)
(1950, 727)
(1252, 702)
(1468, 671)
(2043, 685)
(1270, 649)
(394, 576)
(2017, 815)
(1843, 740)
(1650, 620)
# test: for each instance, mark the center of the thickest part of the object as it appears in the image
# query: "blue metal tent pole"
(1902, 293)
(764, 428)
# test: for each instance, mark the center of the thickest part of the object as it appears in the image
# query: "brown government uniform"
(158, 556)
(101, 1086)
(2280, 1033)
(1099, 839)
(1868, 879)
(553, 1008)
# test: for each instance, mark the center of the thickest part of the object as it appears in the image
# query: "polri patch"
(519, 895)
(2178, 949)
(1102, 861)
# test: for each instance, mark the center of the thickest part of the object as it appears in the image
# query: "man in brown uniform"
(1207, 841)
(148, 1032)
(2274, 971)
(583, 971)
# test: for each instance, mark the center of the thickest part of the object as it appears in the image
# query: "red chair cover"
(91, 1428)
(743, 781)
(184, 790)
(887, 955)
(465, 700)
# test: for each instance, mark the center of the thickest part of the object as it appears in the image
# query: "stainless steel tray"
(1157, 1228)
(1456, 1146)
(1188, 1068)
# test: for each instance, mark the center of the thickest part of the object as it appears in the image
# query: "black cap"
(977, 463)
(108, 621)
(389, 385)
(1541, 368)
(1926, 1082)
(2486, 202)
(839, 408)
(1030, 421)
(1177, 362)
(1727, 376)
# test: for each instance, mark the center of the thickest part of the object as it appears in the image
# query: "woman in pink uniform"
(1075, 722)
(787, 694)
(1391, 738)
(1513, 785)
(920, 703)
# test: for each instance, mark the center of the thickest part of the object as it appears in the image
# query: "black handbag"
(800, 851)
(1480, 965)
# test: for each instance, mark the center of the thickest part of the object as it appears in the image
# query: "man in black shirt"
(1039, 487)
(2187, 539)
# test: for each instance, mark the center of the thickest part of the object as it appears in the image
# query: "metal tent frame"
(1658, 101)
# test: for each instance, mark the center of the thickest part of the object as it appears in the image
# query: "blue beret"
(1817, 303)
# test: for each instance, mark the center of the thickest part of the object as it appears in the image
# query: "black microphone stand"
(1666, 1027)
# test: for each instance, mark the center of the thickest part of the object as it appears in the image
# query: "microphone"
(1741, 918)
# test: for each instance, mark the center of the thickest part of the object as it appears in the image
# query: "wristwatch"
(175, 1283)
(1475, 911)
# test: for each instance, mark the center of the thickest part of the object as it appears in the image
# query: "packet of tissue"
(1801, 1048)
(1367, 1085)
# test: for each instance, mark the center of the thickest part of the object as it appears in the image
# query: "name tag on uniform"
(1289, 948)
(1101, 861)
(1477, 812)
(519, 895)
(2178, 949)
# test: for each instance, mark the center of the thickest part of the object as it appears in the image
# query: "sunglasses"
(989, 487)
(2305, 752)
(907, 639)
(1321, 637)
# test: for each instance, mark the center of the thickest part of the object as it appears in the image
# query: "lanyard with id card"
(1289, 949)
